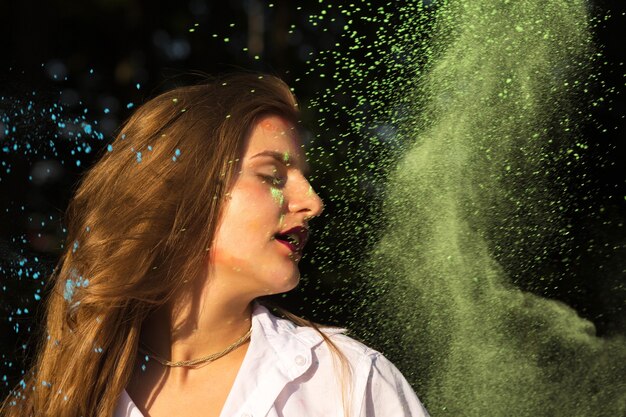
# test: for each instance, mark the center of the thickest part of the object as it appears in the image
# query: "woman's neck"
(198, 325)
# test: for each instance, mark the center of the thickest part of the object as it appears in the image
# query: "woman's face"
(251, 256)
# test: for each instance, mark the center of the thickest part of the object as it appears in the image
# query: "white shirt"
(289, 372)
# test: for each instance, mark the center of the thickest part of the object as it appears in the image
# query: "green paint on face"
(286, 158)
(277, 195)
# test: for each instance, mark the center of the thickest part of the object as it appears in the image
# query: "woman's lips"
(295, 238)
(292, 247)
(291, 250)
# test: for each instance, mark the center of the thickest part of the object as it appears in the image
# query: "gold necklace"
(194, 362)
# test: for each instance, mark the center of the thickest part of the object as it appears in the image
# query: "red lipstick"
(295, 238)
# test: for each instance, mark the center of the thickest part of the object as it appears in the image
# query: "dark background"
(100, 55)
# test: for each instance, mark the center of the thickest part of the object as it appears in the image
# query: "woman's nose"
(306, 200)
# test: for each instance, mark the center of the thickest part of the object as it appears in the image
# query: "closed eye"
(274, 181)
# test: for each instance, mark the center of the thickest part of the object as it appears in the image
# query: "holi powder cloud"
(488, 114)
(457, 158)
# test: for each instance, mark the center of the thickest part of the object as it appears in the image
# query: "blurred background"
(72, 71)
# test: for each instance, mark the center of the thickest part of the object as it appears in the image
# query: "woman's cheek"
(277, 196)
(261, 195)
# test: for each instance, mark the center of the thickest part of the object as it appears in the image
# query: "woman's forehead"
(276, 124)
(275, 133)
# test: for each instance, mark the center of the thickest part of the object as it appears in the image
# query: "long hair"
(140, 224)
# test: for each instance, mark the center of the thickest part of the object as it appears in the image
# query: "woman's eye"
(274, 180)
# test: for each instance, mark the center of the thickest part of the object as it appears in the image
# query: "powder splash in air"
(482, 186)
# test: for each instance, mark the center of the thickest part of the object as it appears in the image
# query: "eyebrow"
(280, 158)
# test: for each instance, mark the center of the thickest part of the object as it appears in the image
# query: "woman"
(200, 206)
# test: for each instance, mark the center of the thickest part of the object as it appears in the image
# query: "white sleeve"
(388, 394)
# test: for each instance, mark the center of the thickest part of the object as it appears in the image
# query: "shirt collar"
(291, 344)
(279, 352)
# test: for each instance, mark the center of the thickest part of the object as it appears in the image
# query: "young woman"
(199, 207)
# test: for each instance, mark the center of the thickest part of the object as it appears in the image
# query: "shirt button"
(300, 360)
(246, 415)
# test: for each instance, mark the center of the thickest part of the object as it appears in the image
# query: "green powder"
(481, 186)
(277, 195)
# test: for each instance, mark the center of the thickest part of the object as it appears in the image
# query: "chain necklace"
(194, 362)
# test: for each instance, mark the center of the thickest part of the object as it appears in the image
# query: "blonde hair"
(140, 224)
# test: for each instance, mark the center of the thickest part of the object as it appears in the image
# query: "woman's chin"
(283, 285)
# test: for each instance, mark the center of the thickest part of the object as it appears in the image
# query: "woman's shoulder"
(378, 387)
(379, 384)
(351, 348)
(349, 344)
